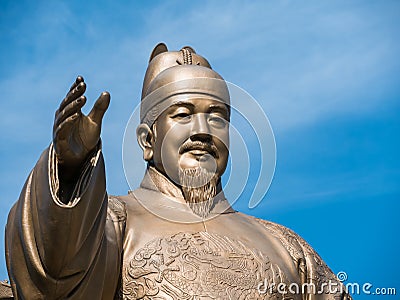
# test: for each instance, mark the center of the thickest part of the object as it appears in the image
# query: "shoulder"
(275, 229)
(305, 257)
(119, 207)
(116, 210)
(293, 243)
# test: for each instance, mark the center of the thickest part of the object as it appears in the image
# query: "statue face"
(189, 134)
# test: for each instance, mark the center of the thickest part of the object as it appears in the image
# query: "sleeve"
(317, 279)
(63, 251)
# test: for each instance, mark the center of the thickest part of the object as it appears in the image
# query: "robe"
(150, 245)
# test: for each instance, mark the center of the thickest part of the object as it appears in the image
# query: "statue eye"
(217, 121)
(182, 117)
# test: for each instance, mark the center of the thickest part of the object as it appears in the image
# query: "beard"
(199, 187)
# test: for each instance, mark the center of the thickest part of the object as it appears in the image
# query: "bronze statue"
(176, 236)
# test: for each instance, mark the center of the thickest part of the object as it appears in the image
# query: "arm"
(55, 238)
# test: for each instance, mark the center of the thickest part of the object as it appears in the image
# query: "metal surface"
(5, 290)
(175, 237)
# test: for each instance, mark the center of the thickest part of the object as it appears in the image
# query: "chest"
(225, 258)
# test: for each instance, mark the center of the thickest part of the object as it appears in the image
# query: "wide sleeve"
(317, 279)
(63, 251)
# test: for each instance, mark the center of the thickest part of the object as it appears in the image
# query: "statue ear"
(145, 138)
(160, 48)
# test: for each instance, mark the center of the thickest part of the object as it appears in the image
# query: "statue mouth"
(198, 148)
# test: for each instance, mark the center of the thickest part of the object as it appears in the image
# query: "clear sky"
(326, 73)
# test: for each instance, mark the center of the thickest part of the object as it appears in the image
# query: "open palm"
(75, 135)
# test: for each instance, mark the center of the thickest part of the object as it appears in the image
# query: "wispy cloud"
(317, 59)
(320, 59)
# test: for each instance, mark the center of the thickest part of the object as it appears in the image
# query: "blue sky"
(327, 74)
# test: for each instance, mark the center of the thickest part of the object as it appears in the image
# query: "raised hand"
(75, 135)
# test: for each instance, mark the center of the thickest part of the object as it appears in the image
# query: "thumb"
(100, 107)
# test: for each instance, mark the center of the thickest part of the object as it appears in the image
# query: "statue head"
(185, 113)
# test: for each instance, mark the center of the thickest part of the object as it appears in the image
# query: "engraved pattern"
(199, 265)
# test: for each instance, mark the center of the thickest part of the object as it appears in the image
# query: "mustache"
(197, 145)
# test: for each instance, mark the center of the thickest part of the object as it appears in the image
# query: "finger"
(64, 129)
(70, 109)
(78, 80)
(73, 95)
(100, 107)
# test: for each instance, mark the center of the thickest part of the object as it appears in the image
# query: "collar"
(155, 181)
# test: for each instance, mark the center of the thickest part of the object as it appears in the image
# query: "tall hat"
(173, 75)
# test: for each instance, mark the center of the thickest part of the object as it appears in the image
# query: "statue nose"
(200, 126)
